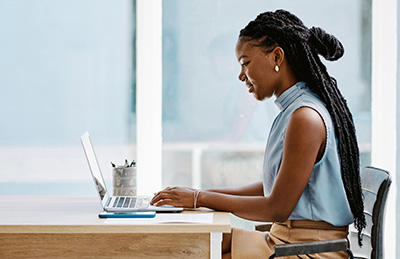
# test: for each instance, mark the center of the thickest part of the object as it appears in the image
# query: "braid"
(302, 47)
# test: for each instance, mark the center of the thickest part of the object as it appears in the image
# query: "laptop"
(116, 203)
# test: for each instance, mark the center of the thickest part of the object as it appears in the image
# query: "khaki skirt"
(256, 244)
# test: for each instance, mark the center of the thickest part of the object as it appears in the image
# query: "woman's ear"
(278, 55)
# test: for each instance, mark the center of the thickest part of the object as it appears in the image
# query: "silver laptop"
(116, 203)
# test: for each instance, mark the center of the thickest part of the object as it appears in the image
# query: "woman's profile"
(311, 186)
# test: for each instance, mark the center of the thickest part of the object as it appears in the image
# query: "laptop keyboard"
(130, 202)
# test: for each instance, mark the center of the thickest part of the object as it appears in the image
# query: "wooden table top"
(78, 214)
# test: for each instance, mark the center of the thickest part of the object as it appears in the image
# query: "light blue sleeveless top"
(324, 198)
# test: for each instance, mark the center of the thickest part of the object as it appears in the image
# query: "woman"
(311, 186)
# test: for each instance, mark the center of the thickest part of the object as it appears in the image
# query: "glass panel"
(66, 67)
(214, 132)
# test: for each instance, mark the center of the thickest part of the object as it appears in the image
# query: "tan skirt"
(256, 244)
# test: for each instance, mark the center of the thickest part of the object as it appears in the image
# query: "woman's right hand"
(175, 196)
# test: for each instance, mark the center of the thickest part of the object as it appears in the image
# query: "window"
(214, 133)
(66, 71)
(66, 67)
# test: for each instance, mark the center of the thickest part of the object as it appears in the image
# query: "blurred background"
(70, 66)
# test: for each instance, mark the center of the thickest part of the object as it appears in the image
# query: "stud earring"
(276, 68)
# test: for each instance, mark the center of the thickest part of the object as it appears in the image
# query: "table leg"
(215, 245)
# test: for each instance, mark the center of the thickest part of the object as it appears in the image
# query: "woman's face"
(257, 69)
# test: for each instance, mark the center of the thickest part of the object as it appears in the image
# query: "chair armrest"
(312, 248)
(263, 227)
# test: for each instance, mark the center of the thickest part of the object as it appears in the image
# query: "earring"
(276, 68)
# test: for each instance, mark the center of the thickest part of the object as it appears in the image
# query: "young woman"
(311, 185)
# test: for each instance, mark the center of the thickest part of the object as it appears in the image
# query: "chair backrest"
(375, 186)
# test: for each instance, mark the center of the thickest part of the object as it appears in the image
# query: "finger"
(164, 202)
(155, 199)
(161, 196)
(165, 190)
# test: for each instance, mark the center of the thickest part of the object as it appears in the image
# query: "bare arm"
(255, 189)
(303, 146)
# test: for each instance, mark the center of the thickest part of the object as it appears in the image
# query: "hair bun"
(326, 44)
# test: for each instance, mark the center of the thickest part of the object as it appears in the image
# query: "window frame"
(149, 95)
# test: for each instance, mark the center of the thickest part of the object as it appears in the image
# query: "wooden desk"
(68, 227)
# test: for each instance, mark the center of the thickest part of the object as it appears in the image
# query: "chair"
(375, 186)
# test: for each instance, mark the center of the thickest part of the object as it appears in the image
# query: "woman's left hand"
(175, 196)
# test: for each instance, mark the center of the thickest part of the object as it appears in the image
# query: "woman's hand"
(175, 196)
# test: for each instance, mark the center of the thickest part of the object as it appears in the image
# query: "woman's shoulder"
(311, 100)
(308, 123)
(307, 115)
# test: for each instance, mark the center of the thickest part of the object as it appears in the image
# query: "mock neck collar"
(288, 97)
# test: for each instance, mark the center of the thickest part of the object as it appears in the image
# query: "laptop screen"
(94, 167)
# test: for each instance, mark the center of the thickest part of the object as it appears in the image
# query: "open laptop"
(116, 203)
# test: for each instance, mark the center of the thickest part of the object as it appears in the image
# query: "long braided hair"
(302, 47)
